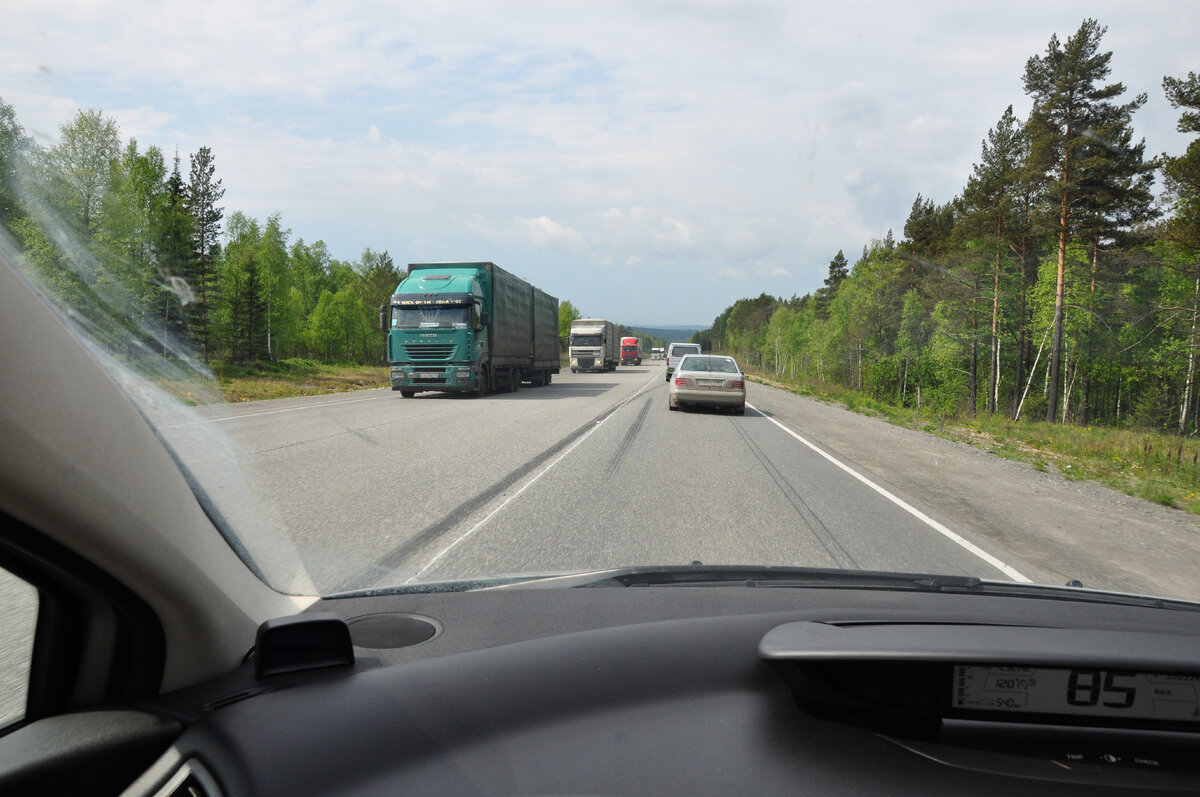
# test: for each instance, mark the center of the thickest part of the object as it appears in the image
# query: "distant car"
(677, 350)
(708, 379)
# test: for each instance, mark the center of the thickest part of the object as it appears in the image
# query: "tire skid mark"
(840, 556)
(399, 555)
(618, 456)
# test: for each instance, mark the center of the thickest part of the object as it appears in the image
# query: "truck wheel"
(408, 393)
(484, 376)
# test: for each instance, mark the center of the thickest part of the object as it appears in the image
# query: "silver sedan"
(711, 379)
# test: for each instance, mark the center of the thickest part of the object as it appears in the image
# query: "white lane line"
(462, 537)
(272, 412)
(1011, 572)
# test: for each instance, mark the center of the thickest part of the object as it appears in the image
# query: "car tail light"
(683, 381)
(737, 384)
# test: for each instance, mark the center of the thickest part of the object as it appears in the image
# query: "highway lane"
(668, 488)
(590, 471)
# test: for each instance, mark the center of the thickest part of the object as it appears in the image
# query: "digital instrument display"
(1085, 692)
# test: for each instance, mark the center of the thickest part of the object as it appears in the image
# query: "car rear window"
(695, 362)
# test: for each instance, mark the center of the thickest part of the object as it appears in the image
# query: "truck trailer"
(631, 351)
(594, 345)
(469, 328)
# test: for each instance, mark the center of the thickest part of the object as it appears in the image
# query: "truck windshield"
(587, 340)
(431, 317)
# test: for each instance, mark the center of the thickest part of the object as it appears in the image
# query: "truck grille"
(586, 362)
(429, 352)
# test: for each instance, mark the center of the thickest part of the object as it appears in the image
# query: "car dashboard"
(681, 690)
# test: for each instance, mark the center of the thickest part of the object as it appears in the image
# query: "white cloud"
(545, 233)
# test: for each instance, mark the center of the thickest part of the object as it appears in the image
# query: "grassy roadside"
(1160, 467)
(294, 377)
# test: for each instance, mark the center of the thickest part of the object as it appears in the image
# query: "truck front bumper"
(587, 363)
(432, 377)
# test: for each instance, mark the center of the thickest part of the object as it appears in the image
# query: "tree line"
(1054, 285)
(141, 247)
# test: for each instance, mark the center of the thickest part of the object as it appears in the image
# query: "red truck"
(631, 352)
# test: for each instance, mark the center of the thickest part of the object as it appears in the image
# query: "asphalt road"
(593, 471)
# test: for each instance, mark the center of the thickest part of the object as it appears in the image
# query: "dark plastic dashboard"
(659, 690)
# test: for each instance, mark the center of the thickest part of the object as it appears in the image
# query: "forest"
(1056, 285)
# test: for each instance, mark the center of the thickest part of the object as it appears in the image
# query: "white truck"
(594, 345)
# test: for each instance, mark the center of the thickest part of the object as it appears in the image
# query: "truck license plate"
(426, 375)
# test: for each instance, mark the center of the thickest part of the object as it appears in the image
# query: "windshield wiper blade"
(698, 575)
(745, 576)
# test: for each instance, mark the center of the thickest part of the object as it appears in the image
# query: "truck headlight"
(463, 373)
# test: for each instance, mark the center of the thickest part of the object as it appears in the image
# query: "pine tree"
(1070, 103)
(989, 201)
(203, 194)
(839, 269)
(177, 261)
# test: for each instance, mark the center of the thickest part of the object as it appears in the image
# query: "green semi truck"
(469, 328)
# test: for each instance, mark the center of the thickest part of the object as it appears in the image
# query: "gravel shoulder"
(1049, 528)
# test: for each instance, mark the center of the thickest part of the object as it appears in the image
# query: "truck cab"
(631, 351)
(436, 320)
(594, 345)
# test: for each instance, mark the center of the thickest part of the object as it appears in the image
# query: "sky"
(650, 161)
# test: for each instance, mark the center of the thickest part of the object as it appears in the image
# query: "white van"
(677, 350)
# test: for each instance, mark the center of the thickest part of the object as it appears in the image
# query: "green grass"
(296, 377)
(1159, 467)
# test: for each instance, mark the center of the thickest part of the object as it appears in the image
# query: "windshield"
(966, 302)
(430, 317)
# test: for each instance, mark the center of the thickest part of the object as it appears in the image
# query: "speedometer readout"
(1084, 691)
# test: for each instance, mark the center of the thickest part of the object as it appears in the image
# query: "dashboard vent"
(190, 780)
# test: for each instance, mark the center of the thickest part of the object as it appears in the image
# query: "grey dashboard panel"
(634, 691)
